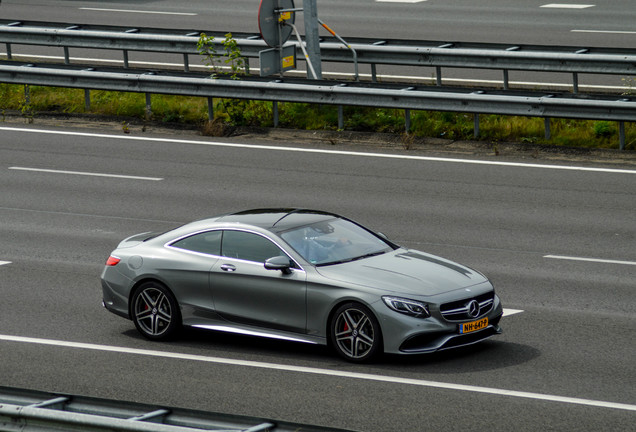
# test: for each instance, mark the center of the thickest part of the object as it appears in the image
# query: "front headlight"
(408, 307)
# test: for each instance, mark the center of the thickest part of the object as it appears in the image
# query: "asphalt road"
(564, 362)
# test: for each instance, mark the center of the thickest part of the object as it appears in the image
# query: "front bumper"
(406, 335)
(427, 343)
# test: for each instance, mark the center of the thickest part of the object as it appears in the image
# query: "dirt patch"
(342, 140)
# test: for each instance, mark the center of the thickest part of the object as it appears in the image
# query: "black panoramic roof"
(279, 219)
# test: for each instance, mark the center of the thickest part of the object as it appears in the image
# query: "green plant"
(232, 53)
(603, 129)
(234, 59)
(207, 48)
(25, 106)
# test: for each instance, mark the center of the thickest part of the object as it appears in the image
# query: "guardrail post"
(407, 120)
(210, 108)
(340, 117)
(148, 106)
(621, 134)
(438, 73)
(548, 132)
(87, 100)
(186, 63)
(505, 79)
(374, 75)
(275, 112)
(9, 56)
(67, 58)
(126, 59)
(476, 125)
(575, 83)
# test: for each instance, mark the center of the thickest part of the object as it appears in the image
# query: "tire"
(355, 333)
(155, 311)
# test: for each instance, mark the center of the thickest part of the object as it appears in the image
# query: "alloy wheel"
(355, 333)
(154, 311)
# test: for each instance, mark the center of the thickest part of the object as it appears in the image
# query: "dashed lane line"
(137, 11)
(90, 174)
(593, 260)
(622, 32)
(567, 6)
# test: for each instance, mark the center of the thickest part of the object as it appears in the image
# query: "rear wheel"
(155, 311)
(355, 333)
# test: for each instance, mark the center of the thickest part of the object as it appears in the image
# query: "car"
(298, 275)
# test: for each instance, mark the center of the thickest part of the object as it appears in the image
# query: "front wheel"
(155, 311)
(355, 333)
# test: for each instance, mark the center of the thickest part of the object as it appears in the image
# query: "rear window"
(208, 242)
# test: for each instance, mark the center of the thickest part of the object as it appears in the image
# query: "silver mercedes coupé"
(299, 275)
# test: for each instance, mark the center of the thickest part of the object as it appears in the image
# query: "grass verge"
(232, 112)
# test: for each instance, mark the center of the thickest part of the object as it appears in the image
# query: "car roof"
(278, 219)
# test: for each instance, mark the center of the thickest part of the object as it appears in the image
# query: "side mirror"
(281, 263)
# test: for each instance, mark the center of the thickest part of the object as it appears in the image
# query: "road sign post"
(312, 39)
(276, 23)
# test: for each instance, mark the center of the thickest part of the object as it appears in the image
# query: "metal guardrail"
(34, 411)
(534, 104)
(437, 54)
(488, 56)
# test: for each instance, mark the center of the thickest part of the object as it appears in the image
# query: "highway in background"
(557, 238)
(603, 23)
(573, 22)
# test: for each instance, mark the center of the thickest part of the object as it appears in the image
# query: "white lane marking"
(301, 72)
(508, 312)
(86, 173)
(596, 260)
(567, 6)
(4, 263)
(137, 11)
(605, 31)
(323, 151)
(326, 372)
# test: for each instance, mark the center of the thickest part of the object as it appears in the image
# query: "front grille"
(458, 310)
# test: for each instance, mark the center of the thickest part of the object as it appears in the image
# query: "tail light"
(112, 261)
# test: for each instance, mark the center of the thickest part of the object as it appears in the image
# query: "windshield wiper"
(352, 259)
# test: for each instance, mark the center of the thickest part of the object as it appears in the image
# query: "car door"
(188, 274)
(245, 292)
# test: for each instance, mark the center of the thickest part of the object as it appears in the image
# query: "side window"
(248, 246)
(207, 242)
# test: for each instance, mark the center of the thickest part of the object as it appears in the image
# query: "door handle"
(228, 268)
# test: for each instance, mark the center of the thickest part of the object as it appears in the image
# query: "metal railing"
(32, 411)
(533, 104)
(505, 102)
(396, 52)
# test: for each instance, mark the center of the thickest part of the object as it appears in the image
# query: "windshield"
(334, 241)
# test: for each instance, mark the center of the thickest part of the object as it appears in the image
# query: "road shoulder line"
(325, 372)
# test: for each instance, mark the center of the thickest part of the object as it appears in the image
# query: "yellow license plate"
(473, 326)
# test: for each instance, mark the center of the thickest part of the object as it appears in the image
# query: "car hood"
(407, 272)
